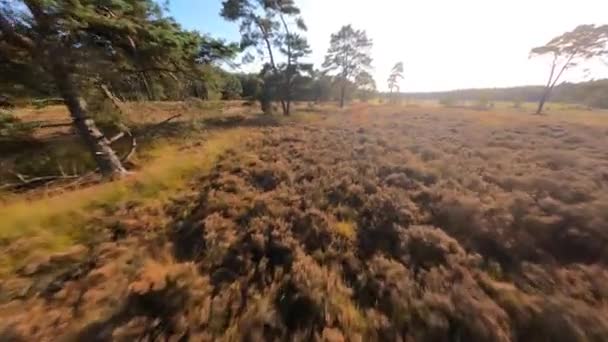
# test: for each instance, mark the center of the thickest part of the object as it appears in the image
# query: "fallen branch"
(154, 128)
(116, 137)
(125, 131)
(26, 182)
(167, 120)
(53, 125)
(133, 146)
(115, 100)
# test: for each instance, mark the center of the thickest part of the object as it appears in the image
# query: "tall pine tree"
(349, 56)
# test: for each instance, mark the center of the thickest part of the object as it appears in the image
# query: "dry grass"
(346, 229)
(379, 222)
(57, 222)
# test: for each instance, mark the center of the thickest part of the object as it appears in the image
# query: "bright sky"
(444, 44)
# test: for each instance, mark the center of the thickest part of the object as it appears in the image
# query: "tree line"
(592, 94)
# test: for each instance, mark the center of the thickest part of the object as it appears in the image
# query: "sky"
(444, 44)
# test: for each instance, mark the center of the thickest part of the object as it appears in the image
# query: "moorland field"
(378, 222)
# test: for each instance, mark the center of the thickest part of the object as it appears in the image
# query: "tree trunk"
(287, 107)
(103, 154)
(149, 90)
(342, 94)
(284, 107)
(287, 103)
(108, 162)
(543, 99)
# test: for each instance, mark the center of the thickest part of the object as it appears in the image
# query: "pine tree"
(349, 55)
(271, 25)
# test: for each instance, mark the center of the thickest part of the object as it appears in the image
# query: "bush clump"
(13, 128)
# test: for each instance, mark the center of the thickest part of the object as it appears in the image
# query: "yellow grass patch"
(51, 224)
(346, 229)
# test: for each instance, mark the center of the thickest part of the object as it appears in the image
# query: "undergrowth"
(372, 225)
(55, 223)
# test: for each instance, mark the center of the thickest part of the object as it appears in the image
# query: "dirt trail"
(364, 226)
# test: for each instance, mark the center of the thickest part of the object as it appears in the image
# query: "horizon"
(499, 61)
(505, 88)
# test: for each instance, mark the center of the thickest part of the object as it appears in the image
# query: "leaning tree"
(348, 56)
(75, 42)
(272, 27)
(569, 50)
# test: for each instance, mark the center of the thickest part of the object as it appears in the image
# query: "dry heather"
(381, 224)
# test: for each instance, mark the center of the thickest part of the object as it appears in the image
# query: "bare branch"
(115, 101)
(267, 41)
(132, 150)
(30, 181)
(565, 66)
(116, 137)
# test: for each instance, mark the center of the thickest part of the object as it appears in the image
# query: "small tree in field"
(366, 86)
(349, 55)
(395, 76)
(568, 50)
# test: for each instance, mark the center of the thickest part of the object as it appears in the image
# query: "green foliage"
(70, 157)
(597, 99)
(106, 114)
(130, 45)
(586, 93)
(272, 26)
(584, 42)
(448, 101)
(251, 85)
(322, 86)
(483, 103)
(12, 128)
(366, 86)
(349, 52)
(232, 88)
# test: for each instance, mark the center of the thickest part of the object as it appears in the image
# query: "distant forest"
(593, 94)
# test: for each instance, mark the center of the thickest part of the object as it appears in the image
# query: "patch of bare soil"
(363, 227)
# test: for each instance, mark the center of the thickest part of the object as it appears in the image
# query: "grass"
(55, 223)
(348, 313)
(346, 229)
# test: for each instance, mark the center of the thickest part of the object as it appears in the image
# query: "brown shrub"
(435, 226)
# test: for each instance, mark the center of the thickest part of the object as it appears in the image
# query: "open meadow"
(377, 222)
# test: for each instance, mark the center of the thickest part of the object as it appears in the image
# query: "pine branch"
(7, 29)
